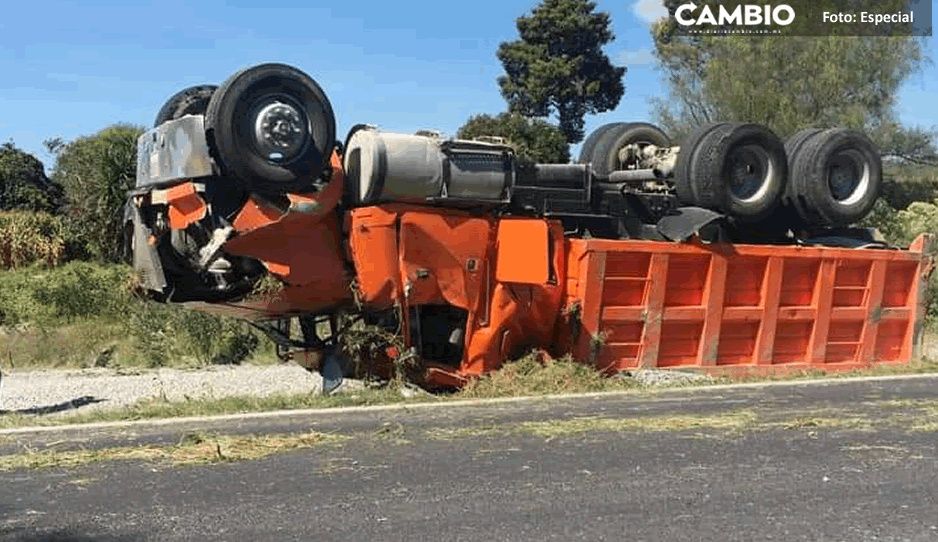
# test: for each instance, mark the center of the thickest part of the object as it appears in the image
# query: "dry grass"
(195, 449)
(532, 375)
(157, 408)
(921, 414)
(825, 422)
(724, 421)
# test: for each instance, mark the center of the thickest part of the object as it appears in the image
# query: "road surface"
(851, 460)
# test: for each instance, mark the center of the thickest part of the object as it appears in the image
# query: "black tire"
(190, 101)
(586, 150)
(234, 119)
(838, 176)
(605, 153)
(741, 170)
(792, 145)
(683, 175)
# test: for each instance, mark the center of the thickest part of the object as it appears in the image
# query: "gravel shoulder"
(30, 392)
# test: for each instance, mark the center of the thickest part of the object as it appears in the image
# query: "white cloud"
(635, 57)
(649, 10)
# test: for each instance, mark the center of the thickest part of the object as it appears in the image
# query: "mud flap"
(687, 222)
(146, 260)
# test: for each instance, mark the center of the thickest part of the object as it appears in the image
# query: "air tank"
(392, 167)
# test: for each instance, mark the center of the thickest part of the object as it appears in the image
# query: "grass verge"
(158, 408)
(528, 376)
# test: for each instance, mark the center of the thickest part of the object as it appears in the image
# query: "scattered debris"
(657, 377)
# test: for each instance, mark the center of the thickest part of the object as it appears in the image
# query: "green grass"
(84, 314)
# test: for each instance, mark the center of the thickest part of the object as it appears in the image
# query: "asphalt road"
(844, 461)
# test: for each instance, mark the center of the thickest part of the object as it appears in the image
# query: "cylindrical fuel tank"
(391, 167)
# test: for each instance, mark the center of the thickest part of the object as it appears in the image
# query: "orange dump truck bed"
(745, 307)
(518, 283)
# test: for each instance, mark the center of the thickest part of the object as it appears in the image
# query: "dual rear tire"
(817, 178)
(836, 177)
(735, 168)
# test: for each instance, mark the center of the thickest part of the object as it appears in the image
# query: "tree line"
(555, 74)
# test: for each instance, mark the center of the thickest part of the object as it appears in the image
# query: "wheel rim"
(634, 160)
(749, 169)
(280, 128)
(848, 176)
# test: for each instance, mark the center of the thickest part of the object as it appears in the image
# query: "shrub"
(76, 290)
(166, 334)
(84, 295)
(902, 227)
(96, 172)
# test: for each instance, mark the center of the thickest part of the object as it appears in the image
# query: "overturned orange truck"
(732, 252)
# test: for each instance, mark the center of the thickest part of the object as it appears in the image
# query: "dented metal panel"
(173, 151)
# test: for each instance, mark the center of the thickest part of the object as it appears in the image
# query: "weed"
(534, 375)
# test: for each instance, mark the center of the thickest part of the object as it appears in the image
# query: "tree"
(96, 172)
(534, 140)
(23, 182)
(558, 65)
(786, 83)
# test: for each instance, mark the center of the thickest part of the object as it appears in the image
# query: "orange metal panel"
(713, 296)
(522, 252)
(654, 314)
(823, 301)
(732, 308)
(873, 310)
(185, 206)
(768, 316)
(373, 246)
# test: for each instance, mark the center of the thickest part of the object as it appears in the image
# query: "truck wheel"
(605, 153)
(190, 101)
(792, 145)
(838, 175)
(685, 159)
(271, 128)
(741, 170)
(586, 151)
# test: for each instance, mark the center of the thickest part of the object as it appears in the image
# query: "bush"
(76, 290)
(96, 172)
(164, 334)
(49, 305)
(901, 227)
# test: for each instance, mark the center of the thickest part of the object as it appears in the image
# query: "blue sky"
(71, 68)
